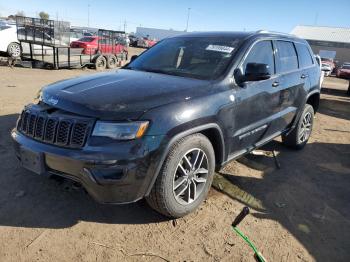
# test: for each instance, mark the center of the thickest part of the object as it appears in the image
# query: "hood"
(122, 94)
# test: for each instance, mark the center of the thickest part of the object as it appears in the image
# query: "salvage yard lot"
(300, 212)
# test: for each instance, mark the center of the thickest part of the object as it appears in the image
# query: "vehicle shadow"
(335, 108)
(334, 92)
(29, 200)
(309, 195)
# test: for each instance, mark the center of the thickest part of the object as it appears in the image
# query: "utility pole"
(188, 18)
(125, 25)
(88, 15)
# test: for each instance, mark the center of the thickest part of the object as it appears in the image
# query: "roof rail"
(272, 32)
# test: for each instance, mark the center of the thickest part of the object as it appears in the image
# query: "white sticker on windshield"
(220, 48)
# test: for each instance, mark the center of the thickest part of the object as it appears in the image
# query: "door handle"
(304, 76)
(275, 84)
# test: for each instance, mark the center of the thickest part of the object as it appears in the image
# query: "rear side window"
(287, 56)
(262, 53)
(305, 58)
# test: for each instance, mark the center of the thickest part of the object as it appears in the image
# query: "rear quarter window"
(287, 59)
(304, 55)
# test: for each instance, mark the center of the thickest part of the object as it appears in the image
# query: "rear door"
(292, 81)
(308, 63)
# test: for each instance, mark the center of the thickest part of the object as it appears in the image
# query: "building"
(328, 42)
(157, 34)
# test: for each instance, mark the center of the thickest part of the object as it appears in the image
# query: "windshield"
(195, 57)
(346, 67)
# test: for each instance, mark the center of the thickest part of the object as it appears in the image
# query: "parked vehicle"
(327, 69)
(344, 71)
(145, 42)
(8, 40)
(161, 126)
(94, 44)
(322, 74)
(133, 40)
(75, 35)
(330, 62)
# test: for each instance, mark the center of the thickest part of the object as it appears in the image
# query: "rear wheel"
(112, 62)
(100, 63)
(185, 178)
(14, 50)
(302, 132)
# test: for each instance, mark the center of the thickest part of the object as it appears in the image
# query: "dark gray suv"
(160, 126)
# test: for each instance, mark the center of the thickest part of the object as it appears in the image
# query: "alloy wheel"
(305, 129)
(14, 50)
(190, 176)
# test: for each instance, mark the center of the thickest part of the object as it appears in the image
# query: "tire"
(14, 50)
(100, 63)
(165, 196)
(112, 62)
(295, 139)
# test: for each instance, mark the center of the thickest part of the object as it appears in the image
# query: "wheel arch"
(314, 100)
(212, 131)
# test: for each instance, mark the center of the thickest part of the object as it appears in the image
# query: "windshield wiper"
(153, 70)
(160, 71)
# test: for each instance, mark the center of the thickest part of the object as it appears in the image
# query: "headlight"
(120, 131)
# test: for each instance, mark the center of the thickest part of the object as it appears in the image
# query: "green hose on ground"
(257, 254)
(235, 223)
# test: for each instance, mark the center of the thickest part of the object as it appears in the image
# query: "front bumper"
(120, 172)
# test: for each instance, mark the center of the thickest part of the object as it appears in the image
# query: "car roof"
(242, 35)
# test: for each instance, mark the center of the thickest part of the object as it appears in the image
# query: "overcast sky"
(205, 15)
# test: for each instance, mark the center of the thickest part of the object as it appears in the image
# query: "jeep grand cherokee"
(159, 127)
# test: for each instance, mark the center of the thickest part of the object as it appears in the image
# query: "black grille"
(63, 132)
(50, 130)
(59, 130)
(79, 133)
(40, 126)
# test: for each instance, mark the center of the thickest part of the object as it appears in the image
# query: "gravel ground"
(300, 212)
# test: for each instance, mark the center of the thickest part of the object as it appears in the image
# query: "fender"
(177, 137)
(296, 119)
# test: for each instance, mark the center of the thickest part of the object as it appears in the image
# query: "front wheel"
(185, 178)
(302, 132)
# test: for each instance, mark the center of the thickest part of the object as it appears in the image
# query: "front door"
(257, 103)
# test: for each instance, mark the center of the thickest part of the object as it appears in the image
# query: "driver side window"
(262, 53)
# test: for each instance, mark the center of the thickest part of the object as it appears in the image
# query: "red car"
(145, 42)
(344, 71)
(92, 44)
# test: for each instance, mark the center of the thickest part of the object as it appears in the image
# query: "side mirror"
(256, 72)
(133, 58)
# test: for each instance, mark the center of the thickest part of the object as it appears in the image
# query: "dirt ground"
(300, 212)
